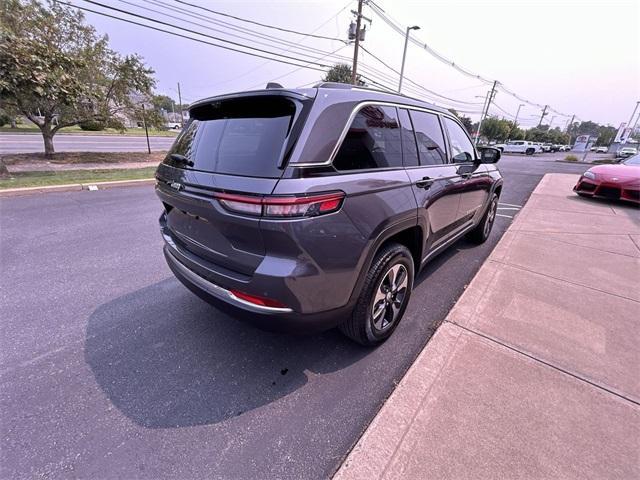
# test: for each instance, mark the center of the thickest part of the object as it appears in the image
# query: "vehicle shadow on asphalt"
(167, 359)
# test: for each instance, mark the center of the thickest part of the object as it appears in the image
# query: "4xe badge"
(176, 186)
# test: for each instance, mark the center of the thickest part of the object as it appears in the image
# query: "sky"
(578, 57)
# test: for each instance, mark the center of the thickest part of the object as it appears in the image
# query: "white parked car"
(519, 146)
(602, 149)
(625, 152)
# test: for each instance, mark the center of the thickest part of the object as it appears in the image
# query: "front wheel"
(482, 231)
(384, 297)
(530, 151)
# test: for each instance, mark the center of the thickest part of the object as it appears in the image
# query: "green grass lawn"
(40, 179)
(26, 128)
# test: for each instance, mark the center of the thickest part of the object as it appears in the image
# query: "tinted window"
(237, 137)
(461, 147)
(409, 149)
(373, 140)
(429, 137)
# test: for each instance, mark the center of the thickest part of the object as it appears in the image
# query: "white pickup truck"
(519, 146)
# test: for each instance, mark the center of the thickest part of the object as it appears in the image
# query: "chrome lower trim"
(220, 292)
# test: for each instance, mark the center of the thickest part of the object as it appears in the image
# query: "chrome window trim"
(353, 114)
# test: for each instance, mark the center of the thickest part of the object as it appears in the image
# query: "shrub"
(570, 158)
(4, 119)
(92, 126)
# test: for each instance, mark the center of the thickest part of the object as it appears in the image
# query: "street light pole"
(404, 54)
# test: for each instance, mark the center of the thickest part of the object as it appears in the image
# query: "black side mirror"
(489, 154)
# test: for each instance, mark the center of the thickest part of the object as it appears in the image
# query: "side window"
(373, 140)
(409, 149)
(429, 138)
(461, 147)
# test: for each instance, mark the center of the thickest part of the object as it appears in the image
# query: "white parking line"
(505, 216)
(508, 208)
(510, 204)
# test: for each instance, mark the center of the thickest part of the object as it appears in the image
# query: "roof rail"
(342, 86)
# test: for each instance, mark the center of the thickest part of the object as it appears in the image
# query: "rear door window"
(372, 141)
(244, 136)
(429, 137)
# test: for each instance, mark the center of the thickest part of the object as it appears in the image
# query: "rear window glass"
(373, 141)
(245, 136)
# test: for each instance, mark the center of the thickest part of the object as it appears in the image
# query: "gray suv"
(312, 208)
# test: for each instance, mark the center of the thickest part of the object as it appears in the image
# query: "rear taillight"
(282, 206)
(257, 300)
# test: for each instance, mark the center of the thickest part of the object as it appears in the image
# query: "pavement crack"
(546, 363)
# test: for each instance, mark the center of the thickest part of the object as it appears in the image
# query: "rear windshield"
(243, 136)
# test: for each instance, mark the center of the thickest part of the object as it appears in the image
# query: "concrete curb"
(11, 192)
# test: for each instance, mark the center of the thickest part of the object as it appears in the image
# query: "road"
(111, 369)
(69, 142)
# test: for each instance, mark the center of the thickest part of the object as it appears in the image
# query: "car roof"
(345, 91)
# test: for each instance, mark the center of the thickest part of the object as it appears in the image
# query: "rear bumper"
(268, 318)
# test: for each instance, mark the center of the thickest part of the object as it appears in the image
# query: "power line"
(260, 24)
(194, 39)
(223, 24)
(253, 69)
(416, 84)
(396, 27)
(191, 31)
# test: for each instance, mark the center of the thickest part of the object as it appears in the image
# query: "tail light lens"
(257, 300)
(282, 206)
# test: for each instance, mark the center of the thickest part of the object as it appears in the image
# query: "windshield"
(635, 160)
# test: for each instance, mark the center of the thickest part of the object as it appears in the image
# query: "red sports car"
(620, 181)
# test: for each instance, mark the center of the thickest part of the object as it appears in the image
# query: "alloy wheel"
(491, 216)
(390, 297)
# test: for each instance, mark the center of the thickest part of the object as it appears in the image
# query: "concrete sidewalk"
(535, 373)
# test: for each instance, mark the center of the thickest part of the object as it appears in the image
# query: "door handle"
(425, 182)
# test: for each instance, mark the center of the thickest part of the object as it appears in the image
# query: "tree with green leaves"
(466, 121)
(495, 129)
(56, 70)
(341, 73)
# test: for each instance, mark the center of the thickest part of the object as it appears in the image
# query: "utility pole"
(354, 68)
(490, 95)
(404, 54)
(146, 130)
(180, 100)
(570, 123)
(544, 112)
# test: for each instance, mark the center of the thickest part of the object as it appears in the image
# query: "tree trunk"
(47, 136)
(4, 173)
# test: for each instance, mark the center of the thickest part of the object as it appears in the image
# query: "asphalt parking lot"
(112, 369)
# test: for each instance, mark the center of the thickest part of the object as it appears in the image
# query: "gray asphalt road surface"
(28, 143)
(110, 368)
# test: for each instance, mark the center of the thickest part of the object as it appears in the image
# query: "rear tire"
(483, 229)
(384, 297)
(530, 151)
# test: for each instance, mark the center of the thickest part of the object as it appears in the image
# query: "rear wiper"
(181, 159)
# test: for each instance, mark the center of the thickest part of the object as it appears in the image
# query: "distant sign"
(626, 133)
(620, 133)
(582, 143)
